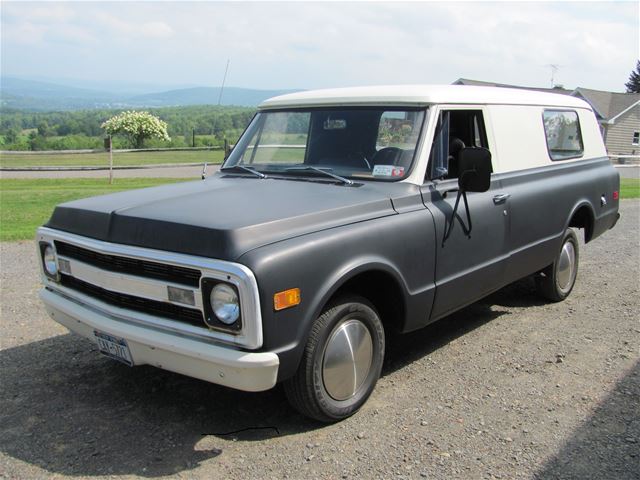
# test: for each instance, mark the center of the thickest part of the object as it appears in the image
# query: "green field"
(27, 204)
(14, 160)
(629, 188)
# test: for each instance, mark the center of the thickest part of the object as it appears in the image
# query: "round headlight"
(50, 264)
(225, 303)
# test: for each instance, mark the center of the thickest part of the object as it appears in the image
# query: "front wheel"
(557, 280)
(341, 362)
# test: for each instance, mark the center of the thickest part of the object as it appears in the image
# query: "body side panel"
(542, 202)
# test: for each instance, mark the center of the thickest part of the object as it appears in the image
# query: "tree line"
(189, 126)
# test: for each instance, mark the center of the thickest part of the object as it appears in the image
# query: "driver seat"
(455, 146)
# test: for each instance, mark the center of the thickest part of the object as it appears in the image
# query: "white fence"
(625, 159)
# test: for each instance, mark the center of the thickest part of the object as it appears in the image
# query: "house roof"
(608, 105)
(418, 95)
(468, 81)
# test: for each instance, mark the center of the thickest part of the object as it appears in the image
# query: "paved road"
(510, 387)
(629, 172)
(162, 172)
(180, 172)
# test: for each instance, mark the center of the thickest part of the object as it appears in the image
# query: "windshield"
(367, 143)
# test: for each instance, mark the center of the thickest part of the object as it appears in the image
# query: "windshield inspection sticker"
(387, 171)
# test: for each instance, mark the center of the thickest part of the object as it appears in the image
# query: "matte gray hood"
(226, 215)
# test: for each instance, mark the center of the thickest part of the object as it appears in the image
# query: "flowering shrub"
(137, 126)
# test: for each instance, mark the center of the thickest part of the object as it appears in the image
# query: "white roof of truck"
(418, 95)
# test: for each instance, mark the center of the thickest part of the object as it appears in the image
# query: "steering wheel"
(359, 156)
(387, 156)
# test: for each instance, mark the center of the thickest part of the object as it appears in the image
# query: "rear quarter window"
(562, 131)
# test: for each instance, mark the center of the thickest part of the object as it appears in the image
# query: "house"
(618, 113)
(619, 118)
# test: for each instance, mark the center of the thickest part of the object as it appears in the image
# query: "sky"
(305, 45)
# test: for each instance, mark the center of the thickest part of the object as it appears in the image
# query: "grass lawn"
(629, 188)
(25, 204)
(102, 159)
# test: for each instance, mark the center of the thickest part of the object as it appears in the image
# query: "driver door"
(471, 260)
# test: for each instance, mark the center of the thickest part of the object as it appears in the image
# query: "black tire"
(306, 390)
(550, 282)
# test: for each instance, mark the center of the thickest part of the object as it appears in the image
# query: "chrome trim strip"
(129, 284)
(239, 275)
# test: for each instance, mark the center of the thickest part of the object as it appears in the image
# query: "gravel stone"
(460, 385)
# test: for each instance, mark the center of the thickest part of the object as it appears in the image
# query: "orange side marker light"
(286, 299)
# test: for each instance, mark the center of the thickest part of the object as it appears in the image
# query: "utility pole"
(224, 79)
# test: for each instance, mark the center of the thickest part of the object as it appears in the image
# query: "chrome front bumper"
(223, 365)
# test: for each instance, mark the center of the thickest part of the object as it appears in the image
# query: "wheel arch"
(374, 279)
(583, 216)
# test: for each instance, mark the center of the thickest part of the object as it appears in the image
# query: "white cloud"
(25, 33)
(306, 45)
(52, 13)
(156, 30)
(122, 29)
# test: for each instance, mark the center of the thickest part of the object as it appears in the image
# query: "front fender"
(401, 246)
(352, 269)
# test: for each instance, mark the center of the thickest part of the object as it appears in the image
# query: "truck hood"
(227, 215)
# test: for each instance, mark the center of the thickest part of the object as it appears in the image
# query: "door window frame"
(488, 132)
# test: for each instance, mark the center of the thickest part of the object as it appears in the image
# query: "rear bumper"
(248, 371)
(615, 220)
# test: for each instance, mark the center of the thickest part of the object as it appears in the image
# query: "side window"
(456, 129)
(562, 129)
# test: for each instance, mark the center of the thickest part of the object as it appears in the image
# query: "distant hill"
(24, 94)
(33, 88)
(206, 96)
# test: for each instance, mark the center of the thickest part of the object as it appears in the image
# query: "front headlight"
(225, 303)
(49, 261)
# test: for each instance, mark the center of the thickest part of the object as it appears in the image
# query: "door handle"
(501, 198)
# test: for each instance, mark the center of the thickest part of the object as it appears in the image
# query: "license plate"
(113, 347)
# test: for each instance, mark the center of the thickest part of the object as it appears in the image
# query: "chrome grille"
(131, 266)
(144, 305)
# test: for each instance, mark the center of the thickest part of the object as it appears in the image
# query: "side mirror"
(474, 167)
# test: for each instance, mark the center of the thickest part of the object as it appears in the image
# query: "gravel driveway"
(510, 387)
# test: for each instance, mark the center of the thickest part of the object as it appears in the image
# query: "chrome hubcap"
(347, 359)
(566, 266)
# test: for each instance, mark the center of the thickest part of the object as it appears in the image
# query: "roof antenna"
(554, 69)
(224, 79)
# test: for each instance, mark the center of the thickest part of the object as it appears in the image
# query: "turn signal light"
(286, 299)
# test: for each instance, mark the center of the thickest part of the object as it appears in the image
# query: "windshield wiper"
(245, 169)
(324, 171)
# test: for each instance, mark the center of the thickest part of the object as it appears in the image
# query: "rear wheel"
(557, 280)
(341, 362)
